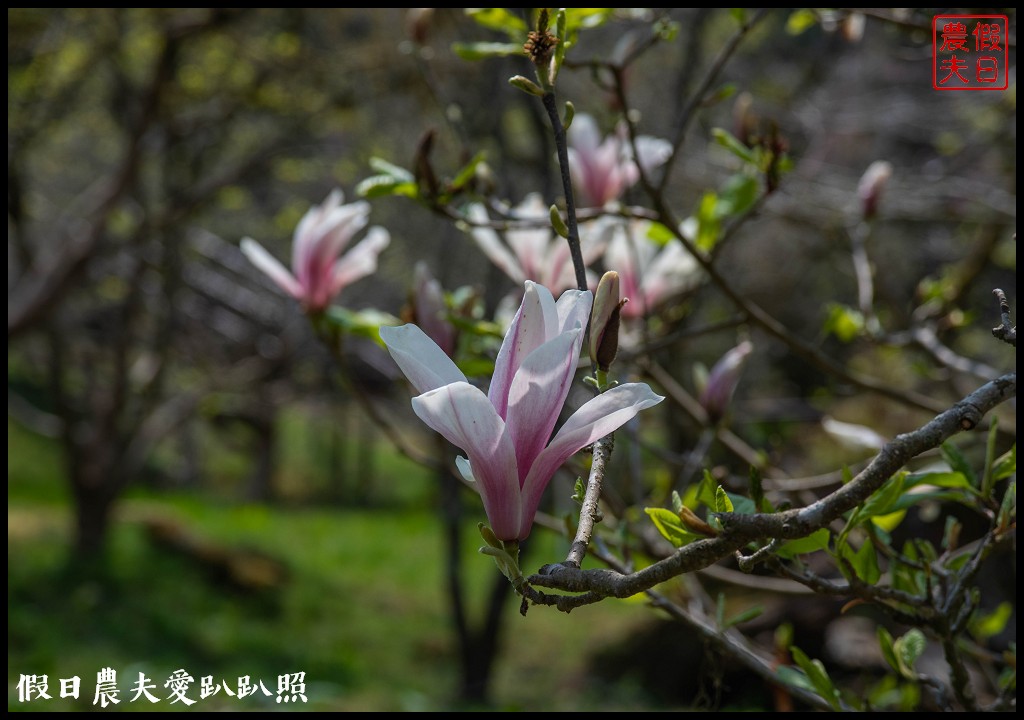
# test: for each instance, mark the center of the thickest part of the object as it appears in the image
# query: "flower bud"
(604, 321)
(871, 186)
(722, 381)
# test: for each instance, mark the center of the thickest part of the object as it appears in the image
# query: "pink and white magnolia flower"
(533, 252)
(602, 170)
(507, 432)
(649, 273)
(319, 270)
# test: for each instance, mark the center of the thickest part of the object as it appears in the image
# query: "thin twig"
(740, 529)
(550, 104)
(1007, 331)
(590, 514)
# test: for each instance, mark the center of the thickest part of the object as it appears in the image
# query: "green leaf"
(484, 50)
(499, 19)
(987, 480)
(476, 367)
(1007, 508)
(708, 225)
(671, 527)
(944, 479)
(733, 145)
(468, 172)
(660, 234)
(707, 490)
(956, 459)
(377, 186)
(585, 18)
(885, 642)
(364, 323)
(737, 195)
(844, 322)
(816, 673)
(986, 626)
(789, 675)
(677, 502)
(1006, 465)
(384, 167)
(907, 650)
(739, 15)
(743, 616)
(800, 21)
(864, 562)
(814, 542)
(722, 502)
(883, 501)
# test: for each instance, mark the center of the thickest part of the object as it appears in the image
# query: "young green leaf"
(484, 50)
(816, 673)
(733, 145)
(956, 459)
(671, 527)
(907, 650)
(722, 502)
(814, 542)
(985, 626)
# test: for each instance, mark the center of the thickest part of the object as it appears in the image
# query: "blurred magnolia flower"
(507, 433)
(430, 311)
(858, 437)
(649, 273)
(534, 252)
(722, 381)
(602, 170)
(319, 270)
(872, 185)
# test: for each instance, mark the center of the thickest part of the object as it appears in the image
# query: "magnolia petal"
(530, 244)
(652, 152)
(584, 134)
(360, 261)
(464, 416)
(492, 246)
(305, 234)
(537, 394)
(573, 309)
(672, 271)
(340, 225)
(425, 364)
(602, 415)
(271, 266)
(535, 323)
(465, 468)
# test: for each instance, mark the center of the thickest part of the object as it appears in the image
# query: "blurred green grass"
(362, 609)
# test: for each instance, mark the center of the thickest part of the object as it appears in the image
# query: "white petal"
(423, 362)
(492, 246)
(538, 392)
(464, 416)
(535, 323)
(465, 468)
(270, 265)
(361, 260)
(602, 415)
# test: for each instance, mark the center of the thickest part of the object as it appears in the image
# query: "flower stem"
(550, 104)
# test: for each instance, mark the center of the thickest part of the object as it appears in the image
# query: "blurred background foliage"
(189, 484)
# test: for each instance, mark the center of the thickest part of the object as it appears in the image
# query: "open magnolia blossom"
(602, 170)
(319, 270)
(534, 251)
(649, 273)
(506, 433)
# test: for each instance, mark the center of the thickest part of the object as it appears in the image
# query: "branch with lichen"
(739, 530)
